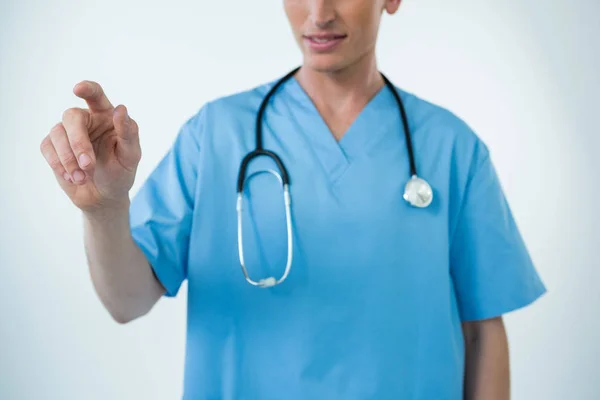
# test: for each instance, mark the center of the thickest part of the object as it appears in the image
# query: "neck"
(350, 87)
(340, 96)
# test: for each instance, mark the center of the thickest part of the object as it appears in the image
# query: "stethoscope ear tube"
(263, 106)
(406, 129)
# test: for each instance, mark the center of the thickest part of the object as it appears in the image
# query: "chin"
(325, 63)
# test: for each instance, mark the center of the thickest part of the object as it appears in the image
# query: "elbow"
(119, 311)
(122, 312)
(123, 309)
(126, 303)
(127, 314)
(121, 318)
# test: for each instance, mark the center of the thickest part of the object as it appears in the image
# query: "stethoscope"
(417, 192)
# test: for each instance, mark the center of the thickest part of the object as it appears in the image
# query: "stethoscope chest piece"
(418, 192)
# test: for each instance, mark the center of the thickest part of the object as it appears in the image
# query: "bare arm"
(119, 270)
(94, 155)
(487, 372)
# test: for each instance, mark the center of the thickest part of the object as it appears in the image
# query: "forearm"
(120, 272)
(487, 372)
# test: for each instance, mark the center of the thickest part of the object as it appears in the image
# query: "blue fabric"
(372, 308)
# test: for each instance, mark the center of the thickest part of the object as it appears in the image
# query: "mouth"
(323, 42)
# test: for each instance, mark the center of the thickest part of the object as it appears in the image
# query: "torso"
(368, 310)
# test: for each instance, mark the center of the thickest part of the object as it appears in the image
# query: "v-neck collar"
(336, 156)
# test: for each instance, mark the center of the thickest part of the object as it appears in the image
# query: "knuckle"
(58, 127)
(95, 89)
(45, 145)
(79, 144)
(68, 114)
(55, 164)
(68, 159)
(93, 84)
(72, 113)
(98, 89)
(137, 154)
(56, 133)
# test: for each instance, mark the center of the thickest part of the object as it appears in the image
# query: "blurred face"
(334, 34)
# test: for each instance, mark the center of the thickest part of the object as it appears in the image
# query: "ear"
(391, 6)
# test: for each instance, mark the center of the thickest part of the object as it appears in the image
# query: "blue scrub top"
(372, 308)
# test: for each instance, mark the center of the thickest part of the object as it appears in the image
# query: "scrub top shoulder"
(374, 302)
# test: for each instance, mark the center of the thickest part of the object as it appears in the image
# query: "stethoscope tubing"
(417, 191)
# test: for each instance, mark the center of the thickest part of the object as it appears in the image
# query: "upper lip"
(326, 36)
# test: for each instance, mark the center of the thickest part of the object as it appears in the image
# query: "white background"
(522, 73)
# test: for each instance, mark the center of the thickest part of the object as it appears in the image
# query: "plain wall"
(523, 74)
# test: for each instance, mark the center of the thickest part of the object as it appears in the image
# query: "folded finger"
(51, 157)
(60, 142)
(75, 122)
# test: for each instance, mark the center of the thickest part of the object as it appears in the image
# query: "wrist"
(108, 210)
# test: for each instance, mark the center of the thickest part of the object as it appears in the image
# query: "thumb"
(125, 127)
(127, 132)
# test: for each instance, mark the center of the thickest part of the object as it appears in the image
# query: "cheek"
(296, 13)
(364, 23)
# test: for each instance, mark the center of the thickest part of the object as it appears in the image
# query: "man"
(383, 301)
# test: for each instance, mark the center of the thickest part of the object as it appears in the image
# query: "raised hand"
(94, 152)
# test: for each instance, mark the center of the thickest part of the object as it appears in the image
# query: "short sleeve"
(161, 210)
(491, 268)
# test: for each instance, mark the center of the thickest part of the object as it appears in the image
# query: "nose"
(322, 13)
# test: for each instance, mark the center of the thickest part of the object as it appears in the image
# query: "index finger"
(94, 96)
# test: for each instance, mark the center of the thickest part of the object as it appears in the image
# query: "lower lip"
(323, 46)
